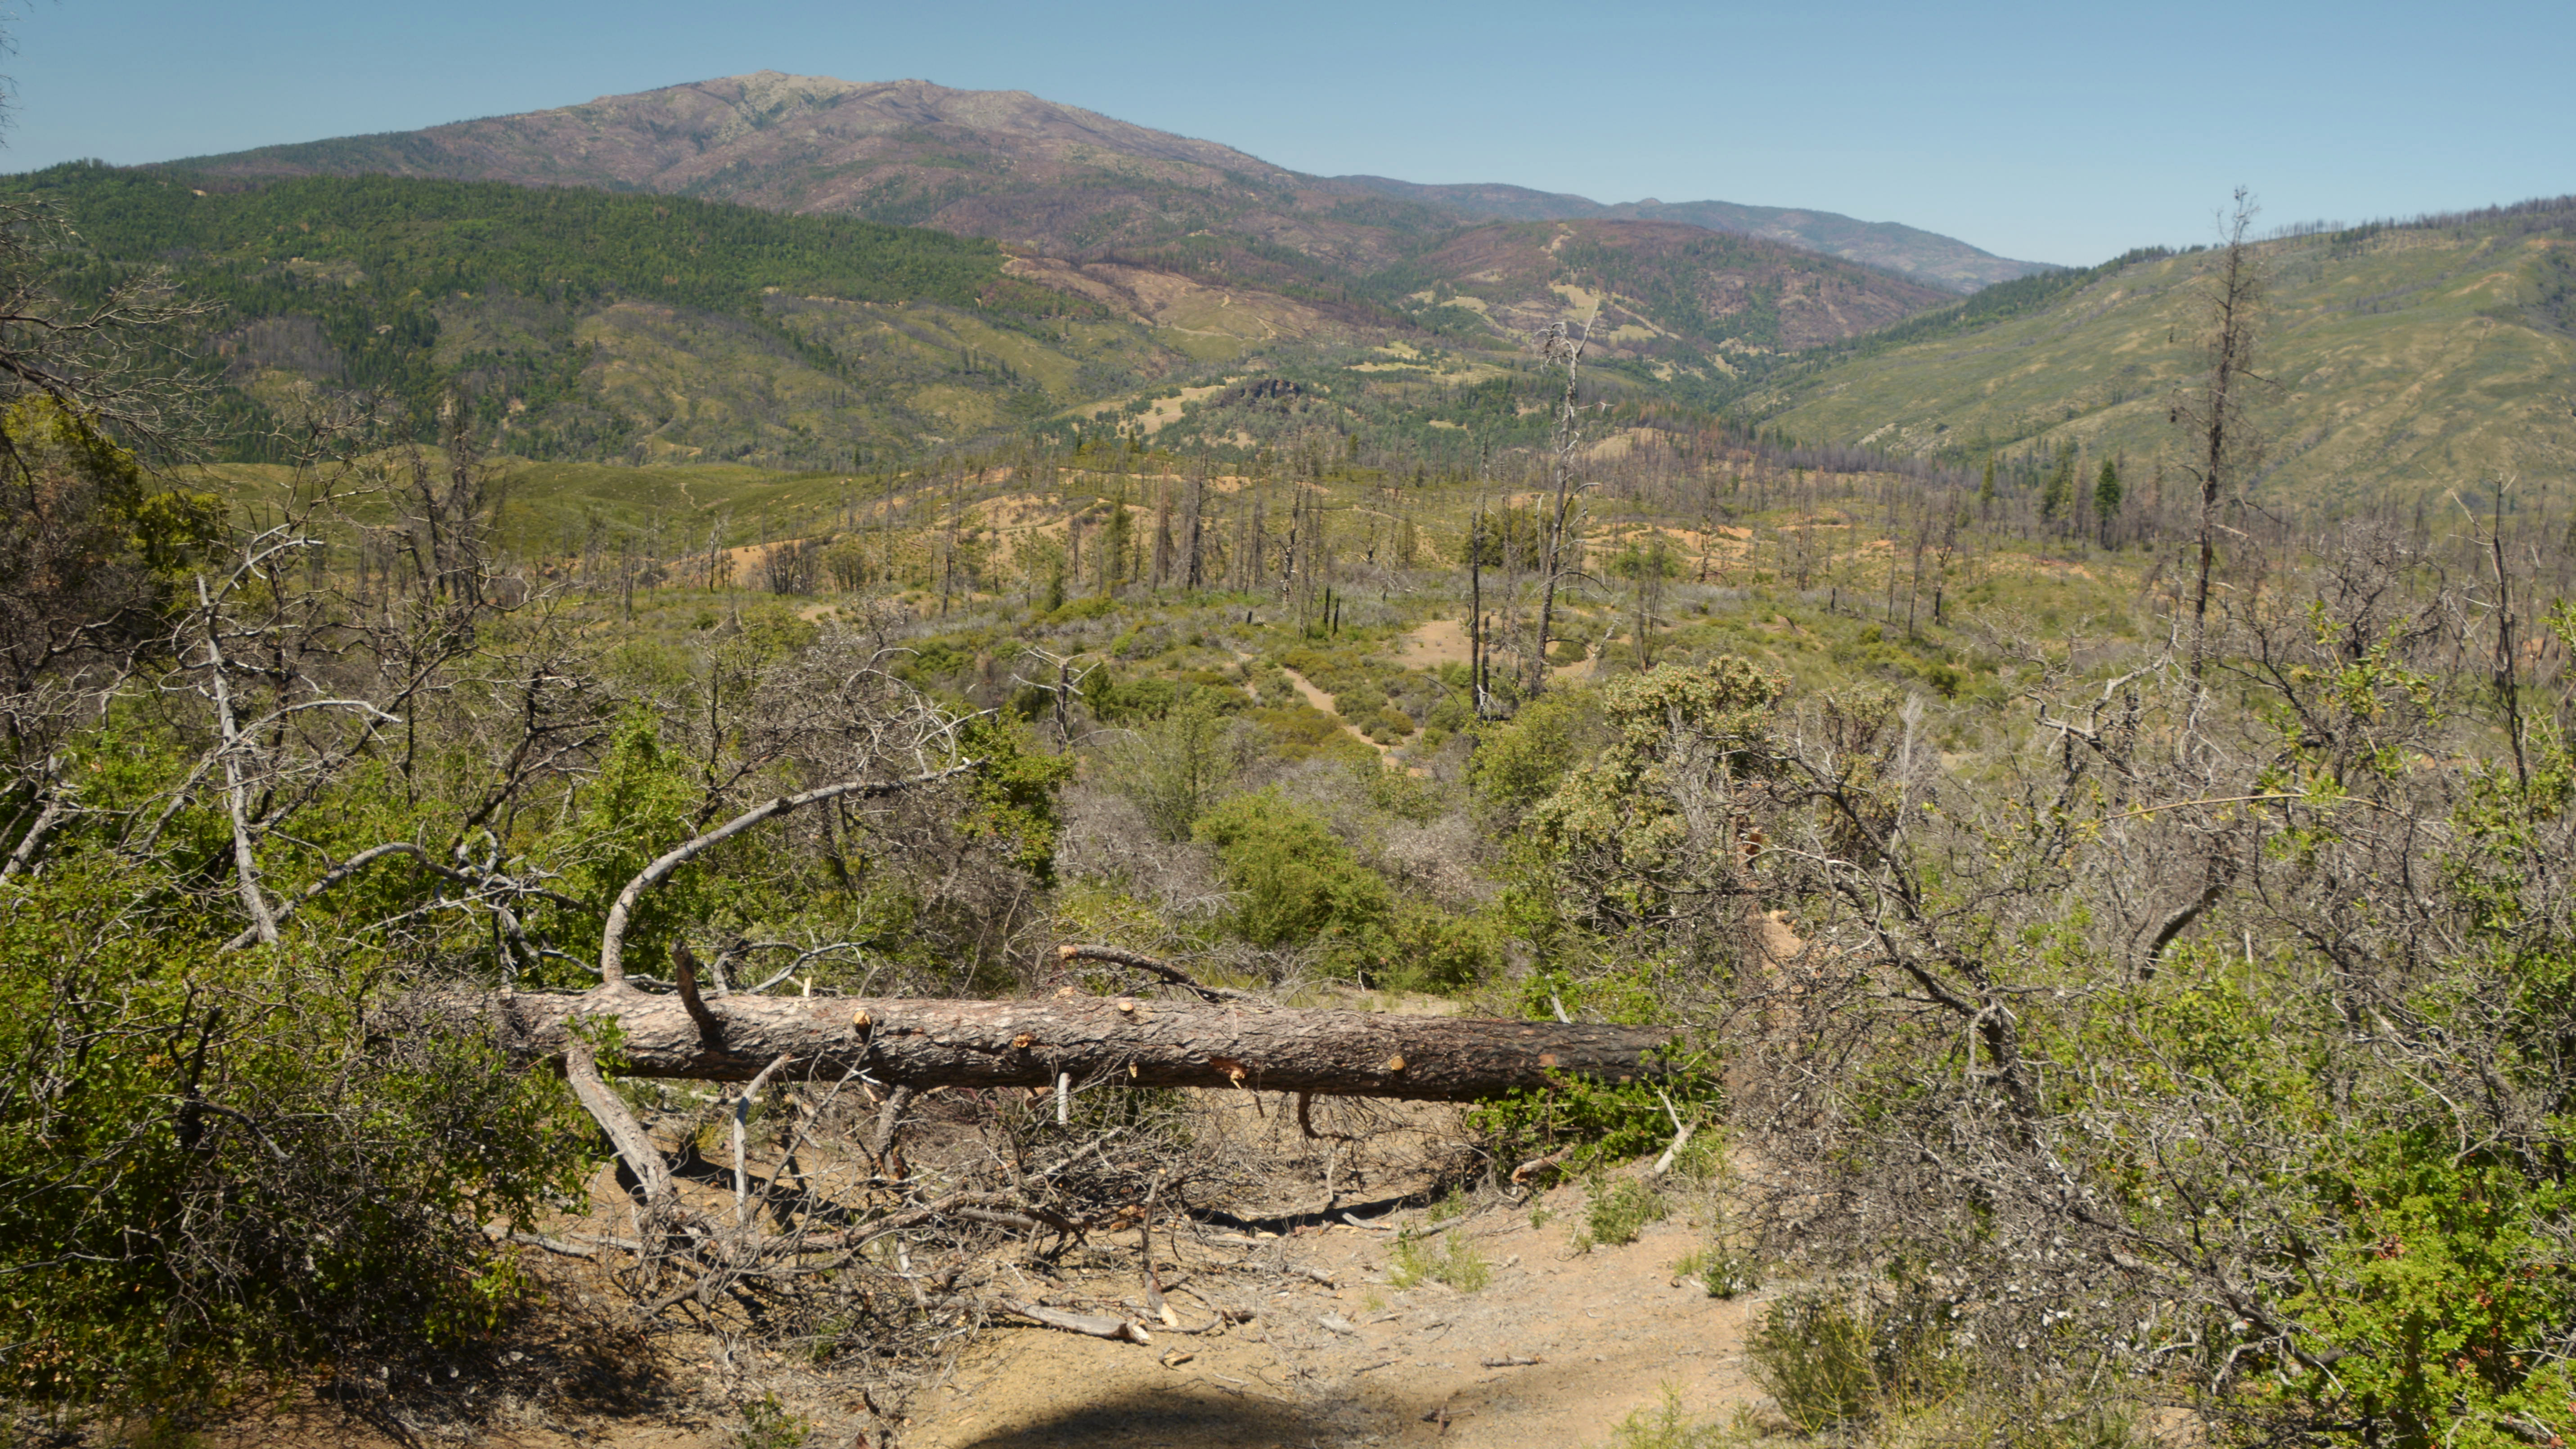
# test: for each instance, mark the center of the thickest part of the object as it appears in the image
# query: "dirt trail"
(1307, 691)
(1364, 1363)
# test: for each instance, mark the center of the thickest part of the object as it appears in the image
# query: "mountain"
(2403, 359)
(1030, 173)
(1924, 256)
(604, 326)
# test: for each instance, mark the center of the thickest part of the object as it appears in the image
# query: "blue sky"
(2061, 133)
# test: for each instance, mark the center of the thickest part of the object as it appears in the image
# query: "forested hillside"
(590, 326)
(2397, 360)
(598, 326)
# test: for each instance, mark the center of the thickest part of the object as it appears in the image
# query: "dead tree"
(1565, 345)
(1125, 1040)
(2215, 411)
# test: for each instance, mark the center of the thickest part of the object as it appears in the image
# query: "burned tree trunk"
(1145, 1043)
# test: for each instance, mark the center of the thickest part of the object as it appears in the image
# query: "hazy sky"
(2060, 132)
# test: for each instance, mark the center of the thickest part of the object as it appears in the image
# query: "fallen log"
(1030, 1043)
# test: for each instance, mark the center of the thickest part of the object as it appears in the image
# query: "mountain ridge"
(1926, 256)
(1035, 174)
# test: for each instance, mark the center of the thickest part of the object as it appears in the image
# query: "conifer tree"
(2106, 498)
(2059, 490)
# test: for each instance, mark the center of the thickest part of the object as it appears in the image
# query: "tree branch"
(1173, 974)
(612, 940)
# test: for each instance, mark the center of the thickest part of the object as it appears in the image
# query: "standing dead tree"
(1559, 346)
(2225, 449)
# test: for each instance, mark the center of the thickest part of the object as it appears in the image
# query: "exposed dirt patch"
(1298, 1338)
(1442, 641)
(1366, 1363)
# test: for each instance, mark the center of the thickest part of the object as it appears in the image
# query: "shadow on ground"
(1179, 1417)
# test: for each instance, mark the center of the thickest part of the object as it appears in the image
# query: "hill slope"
(1927, 257)
(603, 326)
(607, 326)
(1022, 170)
(2404, 358)
(1678, 296)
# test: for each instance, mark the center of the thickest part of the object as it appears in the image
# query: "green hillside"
(592, 325)
(2402, 359)
(595, 326)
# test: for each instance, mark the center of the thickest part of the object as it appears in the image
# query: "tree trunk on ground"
(1137, 1041)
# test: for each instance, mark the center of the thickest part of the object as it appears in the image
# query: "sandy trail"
(1307, 691)
(1609, 1330)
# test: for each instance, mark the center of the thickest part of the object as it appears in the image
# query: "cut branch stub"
(938, 1043)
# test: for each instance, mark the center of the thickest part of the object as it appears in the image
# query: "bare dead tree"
(1559, 346)
(109, 361)
(2226, 451)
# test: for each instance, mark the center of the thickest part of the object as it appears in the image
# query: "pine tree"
(2106, 498)
(2059, 491)
(1116, 542)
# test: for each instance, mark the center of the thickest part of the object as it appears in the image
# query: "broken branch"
(1098, 1325)
(1168, 972)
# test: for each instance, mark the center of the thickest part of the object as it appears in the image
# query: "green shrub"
(1618, 1213)
(1812, 1355)
(1098, 606)
(1517, 764)
(1723, 1271)
(1456, 1263)
(317, 1152)
(1387, 726)
(1176, 767)
(1428, 950)
(1668, 1426)
(1295, 882)
(1299, 731)
(769, 1425)
(1833, 1366)
(1602, 1122)
(1131, 700)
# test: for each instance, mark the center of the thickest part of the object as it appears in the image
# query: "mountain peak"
(1020, 169)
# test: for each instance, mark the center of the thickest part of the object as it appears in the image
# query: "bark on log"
(1132, 1041)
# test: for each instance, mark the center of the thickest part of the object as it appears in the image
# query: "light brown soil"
(1357, 1363)
(1610, 1330)
(1442, 641)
